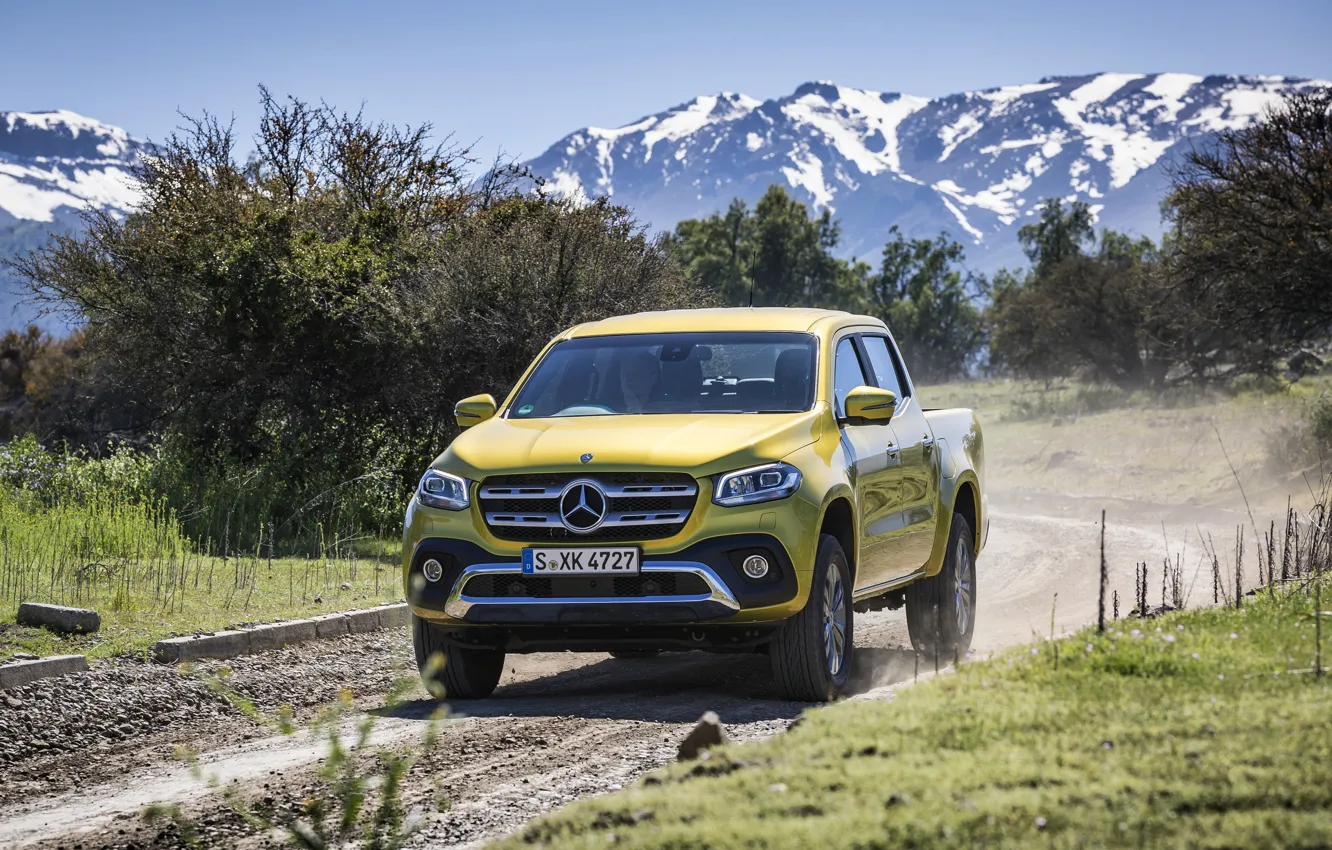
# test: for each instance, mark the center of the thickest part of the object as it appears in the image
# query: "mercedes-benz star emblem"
(586, 458)
(582, 506)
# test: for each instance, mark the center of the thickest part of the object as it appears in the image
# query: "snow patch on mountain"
(976, 164)
(60, 161)
(808, 175)
(860, 125)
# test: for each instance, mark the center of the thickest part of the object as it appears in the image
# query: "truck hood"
(699, 444)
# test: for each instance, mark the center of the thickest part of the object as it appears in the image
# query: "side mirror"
(474, 410)
(870, 404)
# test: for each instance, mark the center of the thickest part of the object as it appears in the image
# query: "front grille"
(564, 587)
(605, 534)
(639, 506)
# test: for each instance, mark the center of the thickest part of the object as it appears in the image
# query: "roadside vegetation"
(267, 358)
(97, 533)
(1207, 728)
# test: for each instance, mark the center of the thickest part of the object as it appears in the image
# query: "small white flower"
(1158, 630)
(1169, 638)
(1196, 656)
(1136, 633)
(1180, 627)
(1090, 647)
(1035, 651)
(1040, 823)
(1218, 675)
(1233, 636)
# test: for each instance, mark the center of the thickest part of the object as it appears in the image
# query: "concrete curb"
(277, 635)
(25, 672)
(58, 618)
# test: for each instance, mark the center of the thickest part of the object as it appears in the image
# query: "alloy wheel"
(834, 620)
(962, 583)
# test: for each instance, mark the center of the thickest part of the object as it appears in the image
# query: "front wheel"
(811, 655)
(450, 671)
(941, 609)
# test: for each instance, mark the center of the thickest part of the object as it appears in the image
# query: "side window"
(847, 374)
(883, 363)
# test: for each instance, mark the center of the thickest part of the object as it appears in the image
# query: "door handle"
(892, 450)
(927, 443)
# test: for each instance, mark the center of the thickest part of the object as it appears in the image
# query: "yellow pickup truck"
(728, 480)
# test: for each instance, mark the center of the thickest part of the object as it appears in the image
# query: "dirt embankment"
(80, 757)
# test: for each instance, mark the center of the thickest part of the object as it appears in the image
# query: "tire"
(941, 609)
(628, 654)
(456, 672)
(804, 657)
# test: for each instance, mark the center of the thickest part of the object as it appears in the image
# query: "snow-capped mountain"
(975, 164)
(52, 166)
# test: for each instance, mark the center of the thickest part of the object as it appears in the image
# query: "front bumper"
(721, 592)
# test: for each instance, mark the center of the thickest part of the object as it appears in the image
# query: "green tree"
(1251, 257)
(1058, 235)
(717, 251)
(926, 299)
(1108, 315)
(781, 252)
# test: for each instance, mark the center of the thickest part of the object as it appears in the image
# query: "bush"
(1063, 401)
(52, 478)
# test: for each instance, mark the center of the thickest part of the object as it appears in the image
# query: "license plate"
(583, 559)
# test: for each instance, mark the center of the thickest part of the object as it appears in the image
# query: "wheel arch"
(839, 520)
(967, 504)
(960, 495)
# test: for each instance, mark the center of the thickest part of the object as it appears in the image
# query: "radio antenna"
(751, 281)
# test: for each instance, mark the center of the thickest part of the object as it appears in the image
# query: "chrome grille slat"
(612, 518)
(520, 492)
(613, 491)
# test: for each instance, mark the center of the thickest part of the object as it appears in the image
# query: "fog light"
(433, 569)
(756, 566)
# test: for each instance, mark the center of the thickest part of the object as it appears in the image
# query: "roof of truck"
(718, 319)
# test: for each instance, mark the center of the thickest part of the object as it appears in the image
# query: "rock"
(25, 656)
(59, 618)
(346, 585)
(707, 733)
(1303, 363)
(1060, 458)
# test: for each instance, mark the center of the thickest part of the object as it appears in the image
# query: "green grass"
(130, 562)
(1194, 735)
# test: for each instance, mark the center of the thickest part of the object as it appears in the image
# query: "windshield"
(728, 372)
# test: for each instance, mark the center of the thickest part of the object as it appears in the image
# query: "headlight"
(757, 484)
(442, 490)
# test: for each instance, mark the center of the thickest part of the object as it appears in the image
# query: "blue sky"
(518, 75)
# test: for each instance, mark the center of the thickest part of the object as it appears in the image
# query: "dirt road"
(80, 757)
